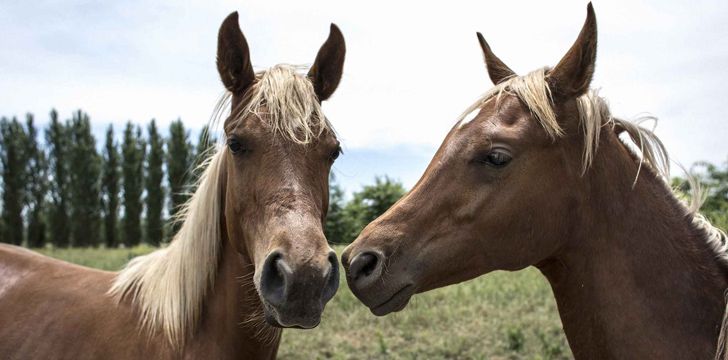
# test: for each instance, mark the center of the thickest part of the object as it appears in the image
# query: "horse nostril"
(273, 279)
(365, 265)
(332, 280)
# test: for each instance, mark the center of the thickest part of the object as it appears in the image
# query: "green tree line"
(60, 188)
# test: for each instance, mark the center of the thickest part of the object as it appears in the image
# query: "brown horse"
(540, 177)
(250, 257)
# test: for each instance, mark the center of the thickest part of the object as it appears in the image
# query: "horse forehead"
(259, 124)
(501, 117)
(297, 162)
(247, 123)
(505, 110)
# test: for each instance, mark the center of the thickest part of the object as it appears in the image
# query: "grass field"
(498, 316)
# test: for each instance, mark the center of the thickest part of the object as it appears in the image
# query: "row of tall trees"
(59, 187)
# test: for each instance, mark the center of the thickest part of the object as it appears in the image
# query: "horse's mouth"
(272, 320)
(396, 302)
(274, 323)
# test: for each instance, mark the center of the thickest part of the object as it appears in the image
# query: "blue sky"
(411, 68)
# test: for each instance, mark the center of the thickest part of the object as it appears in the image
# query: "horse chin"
(396, 302)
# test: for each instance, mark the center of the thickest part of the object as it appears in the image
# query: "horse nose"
(365, 268)
(332, 278)
(298, 292)
(275, 279)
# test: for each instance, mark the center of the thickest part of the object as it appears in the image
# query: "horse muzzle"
(365, 275)
(295, 296)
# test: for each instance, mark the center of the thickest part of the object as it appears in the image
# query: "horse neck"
(232, 321)
(635, 279)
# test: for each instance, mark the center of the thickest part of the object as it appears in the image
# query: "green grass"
(497, 316)
(100, 258)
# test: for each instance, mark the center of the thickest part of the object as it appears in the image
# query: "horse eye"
(497, 159)
(335, 154)
(236, 146)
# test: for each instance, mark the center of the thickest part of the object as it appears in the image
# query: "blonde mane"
(169, 285)
(534, 91)
(285, 99)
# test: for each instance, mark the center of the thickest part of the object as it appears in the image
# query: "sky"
(411, 67)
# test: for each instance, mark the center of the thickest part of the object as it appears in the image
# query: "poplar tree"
(37, 186)
(110, 189)
(179, 164)
(84, 171)
(205, 144)
(57, 143)
(13, 158)
(154, 187)
(132, 169)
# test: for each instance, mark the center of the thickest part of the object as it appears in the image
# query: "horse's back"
(25, 272)
(54, 309)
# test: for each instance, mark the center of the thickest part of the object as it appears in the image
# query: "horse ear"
(497, 70)
(325, 73)
(573, 74)
(233, 56)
